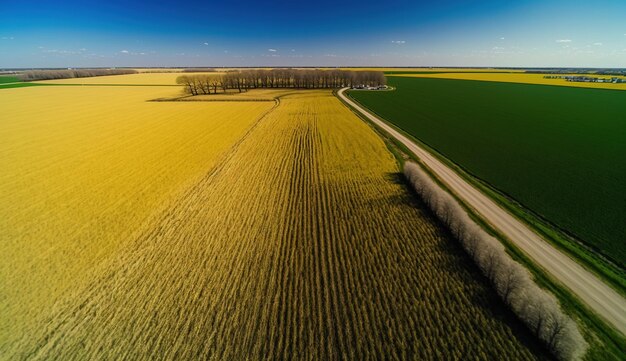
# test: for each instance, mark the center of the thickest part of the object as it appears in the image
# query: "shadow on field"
(461, 264)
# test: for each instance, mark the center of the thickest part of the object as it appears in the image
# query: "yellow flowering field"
(188, 230)
(82, 169)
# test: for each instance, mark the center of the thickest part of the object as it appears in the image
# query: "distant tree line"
(243, 80)
(198, 70)
(537, 308)
(71, 73)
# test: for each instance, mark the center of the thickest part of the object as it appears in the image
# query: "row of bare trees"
(243, 80)
(71, 73)
(537, 308)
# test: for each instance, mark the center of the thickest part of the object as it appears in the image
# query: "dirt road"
(601, 298)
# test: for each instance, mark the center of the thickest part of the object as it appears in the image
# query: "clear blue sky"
(317, 33)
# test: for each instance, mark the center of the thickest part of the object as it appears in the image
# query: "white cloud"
(497, 48)
(597, 44)
(271, 50)
(398, 41)
(124, 51)
(60, 51)
(501, 38)
(7, 38)
(205, 43)
(564, 41)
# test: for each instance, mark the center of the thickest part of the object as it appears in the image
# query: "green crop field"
(559, 151)
(18, 85)
(8, 79)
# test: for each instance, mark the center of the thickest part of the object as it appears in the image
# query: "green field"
(8, 79)
(559, 151)
(18, 85)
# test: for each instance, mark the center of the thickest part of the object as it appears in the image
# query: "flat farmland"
(8, 79)
(227, 231)
(82, 169)
(559, 151)
(126, 79)
(436, 70)
(515, 77)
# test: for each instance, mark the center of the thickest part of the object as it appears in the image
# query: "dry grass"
(520, 78)
(298, 244)
(82, 168)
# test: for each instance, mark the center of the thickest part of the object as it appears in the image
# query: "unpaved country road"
(601, 298)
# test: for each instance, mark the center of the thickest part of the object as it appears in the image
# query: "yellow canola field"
(427, 69)
(520, 78)
(301, 244)
(126, 79)
(81, 170)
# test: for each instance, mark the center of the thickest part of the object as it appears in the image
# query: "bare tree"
(215, 81)
(538, 309)
(511, 279)
(281, 78)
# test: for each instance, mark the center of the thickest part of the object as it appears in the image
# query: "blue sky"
(317, 33)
